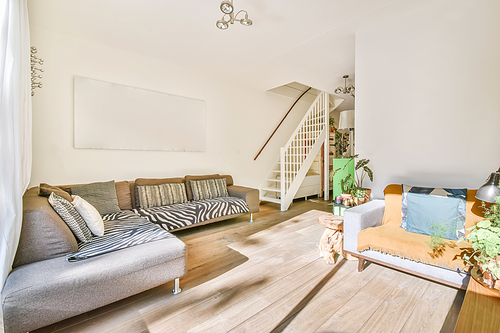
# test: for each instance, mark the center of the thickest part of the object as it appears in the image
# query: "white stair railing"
(297, 156)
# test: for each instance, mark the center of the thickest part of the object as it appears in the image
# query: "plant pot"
(488, 279)
(368, 193)
(358, 200)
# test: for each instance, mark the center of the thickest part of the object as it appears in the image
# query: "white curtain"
(15, 127)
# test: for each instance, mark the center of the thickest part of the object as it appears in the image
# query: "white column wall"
(427, 87)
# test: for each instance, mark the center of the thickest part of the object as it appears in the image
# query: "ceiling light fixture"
(347, 89)
(227, 8)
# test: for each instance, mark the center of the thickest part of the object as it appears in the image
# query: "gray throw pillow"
(100, 195)
(71, 217)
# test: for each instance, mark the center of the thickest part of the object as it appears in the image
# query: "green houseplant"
(354, 186)
(485, 239)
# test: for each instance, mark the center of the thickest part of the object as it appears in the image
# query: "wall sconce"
(348, 89)
(227, 8)
(34, 75)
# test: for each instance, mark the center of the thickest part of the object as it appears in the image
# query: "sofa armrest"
(250, 195)
(361, 217)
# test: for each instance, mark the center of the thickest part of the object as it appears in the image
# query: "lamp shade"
(346, 119)
(489, 191)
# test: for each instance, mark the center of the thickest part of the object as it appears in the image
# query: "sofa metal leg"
(361, 264)
(251, 217)
(177, 289)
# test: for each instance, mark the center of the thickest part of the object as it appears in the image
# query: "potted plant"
(332, 124)
(351, 184)
(359, 196)
(485, 239)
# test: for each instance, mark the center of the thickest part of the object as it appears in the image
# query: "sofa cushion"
(153, 181)
(122, 193)
(181, 215)
(90, 215)
(44, 235)
(46, 190)
(188, 178)
(456, 195)
(229, 179)
(161, 195)
(71, 217)
(123, 229)
(101, 195)
(434, 215)
(209, 188)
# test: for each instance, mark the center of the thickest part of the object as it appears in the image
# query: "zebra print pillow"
(209, 188)
(161, 195)
(71, 217)
(123, 229)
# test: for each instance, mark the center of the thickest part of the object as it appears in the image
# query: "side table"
(480, 310)
(331, 243)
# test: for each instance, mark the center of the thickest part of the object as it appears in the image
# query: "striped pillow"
(71, 217)
(161, 195)
(209, 188)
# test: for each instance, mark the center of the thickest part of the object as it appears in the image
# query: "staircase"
(297, 156)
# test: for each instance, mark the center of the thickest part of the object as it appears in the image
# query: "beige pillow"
(90, 215)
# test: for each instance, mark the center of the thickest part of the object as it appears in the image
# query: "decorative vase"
(347, 199)
(358, 201)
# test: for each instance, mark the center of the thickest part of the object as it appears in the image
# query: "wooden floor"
(266, 276)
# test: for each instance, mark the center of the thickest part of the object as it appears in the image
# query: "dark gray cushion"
(101, 195)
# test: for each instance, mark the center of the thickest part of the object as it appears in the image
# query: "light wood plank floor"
(266, 276)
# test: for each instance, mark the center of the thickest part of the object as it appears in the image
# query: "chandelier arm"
(244, 11)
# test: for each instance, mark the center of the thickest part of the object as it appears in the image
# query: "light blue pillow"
(428, 214)
(458, 193)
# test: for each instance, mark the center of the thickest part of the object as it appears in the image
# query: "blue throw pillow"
(460, 194)
(429, 214)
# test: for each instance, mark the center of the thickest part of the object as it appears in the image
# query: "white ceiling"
(308, 41)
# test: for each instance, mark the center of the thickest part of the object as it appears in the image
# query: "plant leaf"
(369, 172)
(361, 163)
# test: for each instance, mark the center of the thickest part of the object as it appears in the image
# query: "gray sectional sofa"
(44, 287)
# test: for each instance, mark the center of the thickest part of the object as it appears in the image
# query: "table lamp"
(346, 121)
(489, 191)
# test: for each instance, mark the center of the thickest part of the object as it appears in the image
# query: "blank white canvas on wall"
(114, 116)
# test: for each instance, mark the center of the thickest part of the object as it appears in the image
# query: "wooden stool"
(331, 244)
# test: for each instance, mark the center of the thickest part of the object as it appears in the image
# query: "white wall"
(239, 119)
(427, 87)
